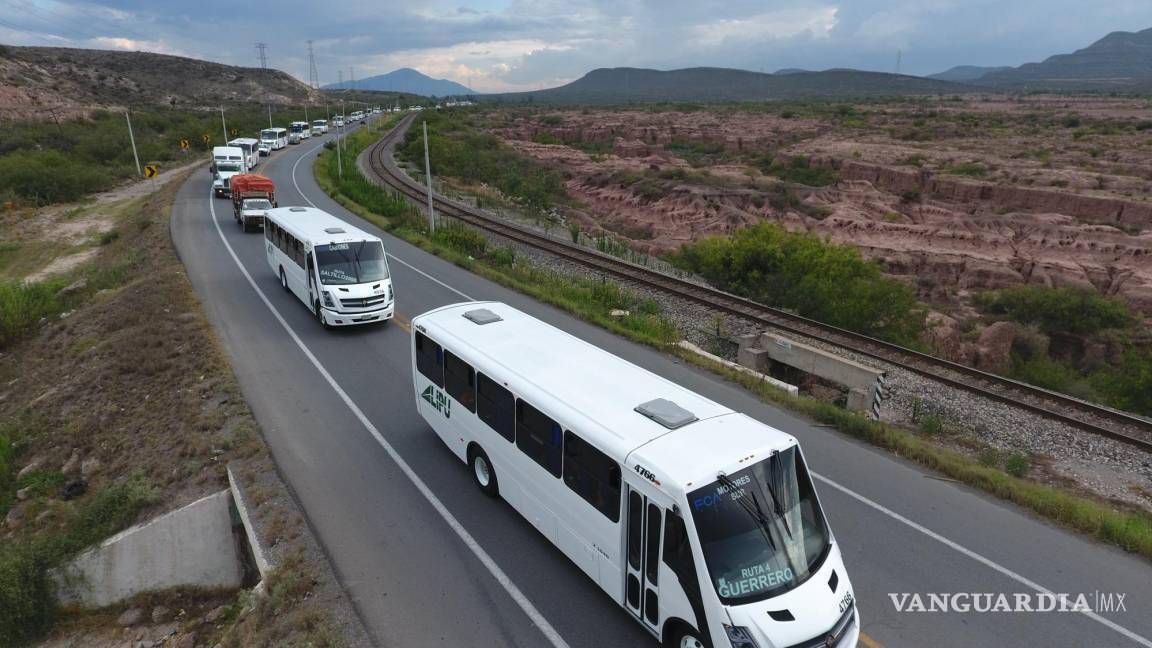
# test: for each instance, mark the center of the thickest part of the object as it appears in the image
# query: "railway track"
(1097, 419)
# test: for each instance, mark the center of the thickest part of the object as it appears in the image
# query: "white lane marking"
(918, 527)
(533, 614)
(394, 257)
(977, 557)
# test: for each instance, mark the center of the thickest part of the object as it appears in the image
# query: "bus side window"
(592, 475)
(429, 360)
(496, 406)
(460, 381)
(678, 553)
(298, 252)
(539, 437)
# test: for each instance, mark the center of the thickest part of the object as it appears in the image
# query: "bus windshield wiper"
(776, 507)
(755, 511)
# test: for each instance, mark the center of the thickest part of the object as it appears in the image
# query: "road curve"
(431, 561)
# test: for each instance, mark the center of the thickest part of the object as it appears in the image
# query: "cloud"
(525, 44)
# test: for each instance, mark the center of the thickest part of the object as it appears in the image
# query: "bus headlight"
(740, 637)
(328, 299)
(389, 292)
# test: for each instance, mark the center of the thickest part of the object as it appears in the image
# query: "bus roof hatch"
(666, 413)
(482, 316)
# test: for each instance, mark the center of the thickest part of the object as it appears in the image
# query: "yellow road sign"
(206, 137)
(232, 132)
(151, 170)
(184, 143)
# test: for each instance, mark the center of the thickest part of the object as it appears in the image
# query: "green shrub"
(972, 169)
(931, 425)
(23, 305)
(461, 238)
(799, 271)
(1057, 310)
(1128, 386)
(1017, 465)
(502, 257)
(799, 171)
(544, 137)
(26, 600)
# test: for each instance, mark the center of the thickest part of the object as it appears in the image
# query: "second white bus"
(251, 148)
(338, 271)
(702, 522)
(273, 139)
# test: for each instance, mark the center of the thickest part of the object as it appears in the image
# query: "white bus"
(702, 522)
(251, 148)
(338, 271)
(319, 127)
(273, 139)
(300, 128)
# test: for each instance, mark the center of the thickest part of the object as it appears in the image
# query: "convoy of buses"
(701, 522)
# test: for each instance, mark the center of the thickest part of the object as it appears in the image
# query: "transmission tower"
(899, 53)
(351, 79)
(313, 75)
(261, 47)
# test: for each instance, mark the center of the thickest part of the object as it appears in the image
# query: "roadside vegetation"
(459, 150)
(116, 405)
(1076, 341)
(800, 272)
(45, 162)
(1001, 474)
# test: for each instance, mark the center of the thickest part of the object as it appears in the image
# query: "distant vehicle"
(700, 521)
(320, 127)
(274, 139)
(356, 116)
(227, 161)
(232, 157)
(340, 272)
(339, 122)
(293, 138)
(251, 148)
(252, 196)
(302, 129)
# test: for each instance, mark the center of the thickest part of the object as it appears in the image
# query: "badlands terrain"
(952, 195)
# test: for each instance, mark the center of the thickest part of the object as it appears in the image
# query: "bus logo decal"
(438, 400)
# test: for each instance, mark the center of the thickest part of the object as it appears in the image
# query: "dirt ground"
(130, 385)
(950, 195)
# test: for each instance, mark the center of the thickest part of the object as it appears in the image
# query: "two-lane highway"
(428, 560)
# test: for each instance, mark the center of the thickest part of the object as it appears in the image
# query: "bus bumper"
(336, 318)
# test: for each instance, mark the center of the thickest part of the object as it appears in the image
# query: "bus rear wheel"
(482, 472)
(283, 280)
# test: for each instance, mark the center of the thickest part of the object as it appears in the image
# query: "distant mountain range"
(615, 85)
(1120, 61)
(406, 80)
(966, 73)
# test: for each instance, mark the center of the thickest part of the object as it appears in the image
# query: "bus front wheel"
(685, 637)
(482, 472)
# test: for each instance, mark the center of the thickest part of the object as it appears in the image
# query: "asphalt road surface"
(428, 560)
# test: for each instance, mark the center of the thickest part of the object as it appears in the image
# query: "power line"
(108, 23)
(17, 28)
(261, 47)
(58, 24)
(313, 75)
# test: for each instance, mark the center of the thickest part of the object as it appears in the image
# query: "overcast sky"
(501, 45)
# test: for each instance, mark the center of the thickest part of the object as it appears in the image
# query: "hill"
(964, 73)
(376, 97)
(1119, 61)
(406, 80)
(614, 85)
(36, 80)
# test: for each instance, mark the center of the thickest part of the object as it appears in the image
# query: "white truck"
(227, 161)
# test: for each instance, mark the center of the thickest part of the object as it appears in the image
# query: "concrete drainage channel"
(210, 543)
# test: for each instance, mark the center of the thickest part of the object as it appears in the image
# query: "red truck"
(252, 196)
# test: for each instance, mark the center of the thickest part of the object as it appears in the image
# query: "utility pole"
(340, 83)
(269, 115)
(428, 177)
(339, 155)
(132, 138)
(313, 75)
(224, 124)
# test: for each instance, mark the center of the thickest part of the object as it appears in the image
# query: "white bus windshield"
(227, 166)
(351, 263)
(268, 134)
(761, 529)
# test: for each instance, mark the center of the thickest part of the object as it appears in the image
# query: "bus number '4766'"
(437, 399)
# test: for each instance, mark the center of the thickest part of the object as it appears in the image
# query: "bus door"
(311, 266)
(645, 522)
